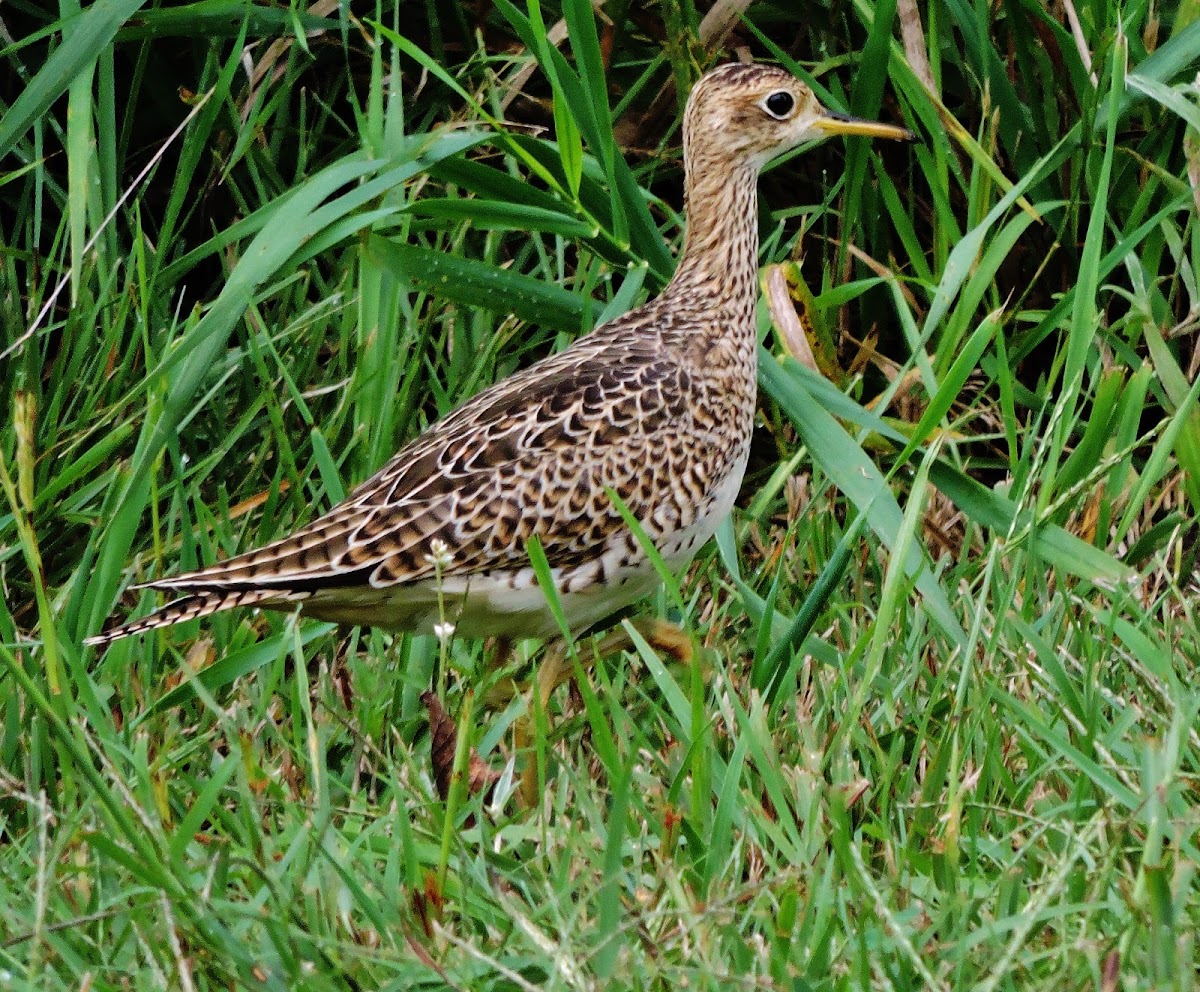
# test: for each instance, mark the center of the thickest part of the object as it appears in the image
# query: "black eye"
(780, 103)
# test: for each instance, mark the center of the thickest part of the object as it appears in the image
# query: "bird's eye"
(779, 104)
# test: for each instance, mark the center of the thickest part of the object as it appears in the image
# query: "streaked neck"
(720, 251)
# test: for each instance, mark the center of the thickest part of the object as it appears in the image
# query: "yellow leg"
(664, 637)
(504, 650)
(554, 670)
(667, 638)
(506, 690)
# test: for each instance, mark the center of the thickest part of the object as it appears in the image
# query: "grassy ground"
(944, 731)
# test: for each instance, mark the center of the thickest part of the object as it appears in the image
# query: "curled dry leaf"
(787, 320)
(914, 42)
(444, 742)
(1110, 979)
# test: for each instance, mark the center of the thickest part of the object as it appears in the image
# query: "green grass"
(943, 732)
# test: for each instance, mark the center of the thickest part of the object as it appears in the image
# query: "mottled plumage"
(656, 405)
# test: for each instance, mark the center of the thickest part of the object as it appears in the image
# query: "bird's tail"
(198, 604)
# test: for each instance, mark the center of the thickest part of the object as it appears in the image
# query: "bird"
(655, 407)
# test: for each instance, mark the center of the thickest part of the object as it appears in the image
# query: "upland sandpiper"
(656, 406)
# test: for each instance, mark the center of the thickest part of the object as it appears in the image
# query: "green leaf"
(570, 146)
(1177, 54)
(498, 215)
(234, 666)
(90, 32)
(982, 505)
(837, 455)
(477, 284)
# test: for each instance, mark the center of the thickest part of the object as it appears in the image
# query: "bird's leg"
(506, 688)
(504, 648)
(554, 670)
(666, 638)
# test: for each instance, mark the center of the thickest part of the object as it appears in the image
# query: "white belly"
(511, 604)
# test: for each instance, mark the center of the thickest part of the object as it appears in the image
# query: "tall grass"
(942, 732)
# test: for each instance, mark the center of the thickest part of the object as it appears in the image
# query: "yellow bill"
(835, 123)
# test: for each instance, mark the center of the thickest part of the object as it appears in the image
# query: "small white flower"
(443, 631)
(439, 553)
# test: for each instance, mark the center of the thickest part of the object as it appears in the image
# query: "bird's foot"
(665, 637)
(557, 668)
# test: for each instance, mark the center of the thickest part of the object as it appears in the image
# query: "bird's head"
(751, 113)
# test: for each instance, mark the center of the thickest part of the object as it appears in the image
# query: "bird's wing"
(531, 456)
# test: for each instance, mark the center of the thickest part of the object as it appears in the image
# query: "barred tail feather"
(199, 604)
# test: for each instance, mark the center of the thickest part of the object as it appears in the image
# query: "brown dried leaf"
(272, 63)
(914, 42)
(444, 741)
(443, 744)
(787, 320)
(200, 655)
(1110, 978)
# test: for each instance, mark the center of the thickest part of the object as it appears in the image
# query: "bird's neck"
(719, 263)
